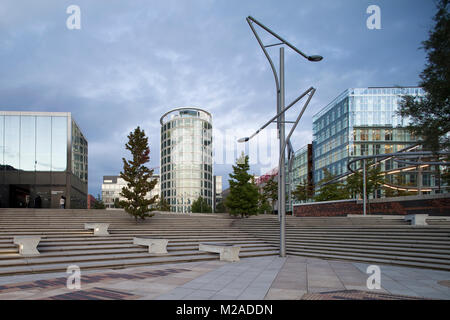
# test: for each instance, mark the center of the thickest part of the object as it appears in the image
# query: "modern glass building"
(360, 121)
(186, 157)
(301, 171)
(43, 156)
(112, 187)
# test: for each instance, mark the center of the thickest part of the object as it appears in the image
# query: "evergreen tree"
(331, 191)
(201, 206)
(431, 115)
(270, 192)
(138, 177)
(243, 197)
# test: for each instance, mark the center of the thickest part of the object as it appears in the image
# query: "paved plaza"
(262, 278)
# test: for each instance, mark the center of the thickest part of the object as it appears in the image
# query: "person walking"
(62, 202)
(37, 202)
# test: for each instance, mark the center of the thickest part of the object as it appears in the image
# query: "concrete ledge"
(156, 246)
(100, 229)
(27, 244)
(228, 252)
(417, 219)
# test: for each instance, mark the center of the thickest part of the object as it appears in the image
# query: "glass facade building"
(360, 121)
(43, 156)
(301, 171)
(186, 157)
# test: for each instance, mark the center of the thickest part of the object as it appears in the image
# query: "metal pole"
(281, 168)
(364, 187)
(419, 179)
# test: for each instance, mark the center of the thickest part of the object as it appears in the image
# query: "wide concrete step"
(75, 258)
(116, 249)
(123, 263)
(370, 259)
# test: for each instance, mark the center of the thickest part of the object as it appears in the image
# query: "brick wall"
(435, 207)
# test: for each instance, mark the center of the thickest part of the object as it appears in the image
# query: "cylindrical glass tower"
(186, 157)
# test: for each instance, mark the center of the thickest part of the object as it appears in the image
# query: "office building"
(112, 187)
(360, 121)
(186, 157)
(43, 157)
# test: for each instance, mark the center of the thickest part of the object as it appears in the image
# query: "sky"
(132, 61)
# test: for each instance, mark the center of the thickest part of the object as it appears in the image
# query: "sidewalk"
(269, 278)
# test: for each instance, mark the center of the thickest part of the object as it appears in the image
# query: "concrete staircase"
(65, 242)
(365, 239)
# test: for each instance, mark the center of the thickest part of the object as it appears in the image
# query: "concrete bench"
(157, 246)
(417, 219)
(228, 252)
(27, 244)
(100, 229)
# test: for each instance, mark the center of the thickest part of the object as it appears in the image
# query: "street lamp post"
(280, 85)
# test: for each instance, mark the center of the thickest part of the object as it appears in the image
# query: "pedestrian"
(37, 202)
(62, 202)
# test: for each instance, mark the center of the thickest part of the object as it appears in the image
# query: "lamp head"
(243, 139)
(315, 58)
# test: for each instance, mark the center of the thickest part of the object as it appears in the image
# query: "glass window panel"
(12, 142)
(27, 143)
(43, 143)
(59, 143)
(2, 144)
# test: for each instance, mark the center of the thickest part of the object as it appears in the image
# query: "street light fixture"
(279, 82)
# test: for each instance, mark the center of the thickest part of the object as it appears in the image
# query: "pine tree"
(430, 115)
(138, 177)
(243, 197)
(201, 206)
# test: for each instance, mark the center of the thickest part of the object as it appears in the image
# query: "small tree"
(163, 205)
(201, 206)
(243, 197)
(264, 204)
(374, 180)
(99, 204)
(303, 191)
(331, 191)
(138, 177)
(117, 203)
(220, 207)
(270, 192)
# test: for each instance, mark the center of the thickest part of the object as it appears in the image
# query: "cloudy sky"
(132, 61)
